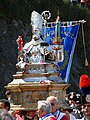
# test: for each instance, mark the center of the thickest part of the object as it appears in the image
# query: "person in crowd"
(55, 111)
(73, 99)
(69, 115)
(67, 110)
(44, 110)
(85, 89)
(4, 104)
(9, 96)
(4, 115)
(15, 114)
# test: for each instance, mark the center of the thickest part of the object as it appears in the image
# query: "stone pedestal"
(26, 95)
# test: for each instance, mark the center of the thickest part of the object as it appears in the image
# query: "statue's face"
(36, 36)
(35, 32)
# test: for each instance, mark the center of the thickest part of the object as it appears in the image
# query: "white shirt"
(72, 117)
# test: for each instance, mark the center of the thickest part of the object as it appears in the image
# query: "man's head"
(4, 104)
(85, 88)
(8, 94)
(53, 101)
(44, 107)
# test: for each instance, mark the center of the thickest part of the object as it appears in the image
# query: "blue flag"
(62, 45)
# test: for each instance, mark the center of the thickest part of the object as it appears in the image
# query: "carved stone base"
(26, 95)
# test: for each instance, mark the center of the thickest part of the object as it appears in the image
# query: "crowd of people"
(79, 105)
(48, 109)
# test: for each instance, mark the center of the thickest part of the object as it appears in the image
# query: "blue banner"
(62, 45)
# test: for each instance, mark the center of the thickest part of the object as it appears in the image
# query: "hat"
(84, 85)
(74, 96)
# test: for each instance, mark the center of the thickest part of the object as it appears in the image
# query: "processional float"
(44, 63)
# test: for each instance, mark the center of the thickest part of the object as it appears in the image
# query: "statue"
(37, 59)
(37, 50)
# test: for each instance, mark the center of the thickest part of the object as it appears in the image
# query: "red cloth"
(64, 118)
(51, 118)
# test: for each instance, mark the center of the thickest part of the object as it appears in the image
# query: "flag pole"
(86, 61)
